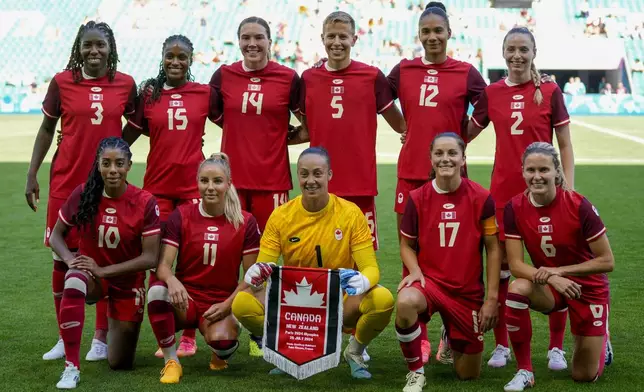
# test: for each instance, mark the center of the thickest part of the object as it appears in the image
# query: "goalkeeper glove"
(258, 273)
(353, 282)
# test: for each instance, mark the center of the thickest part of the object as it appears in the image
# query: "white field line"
(608, 131)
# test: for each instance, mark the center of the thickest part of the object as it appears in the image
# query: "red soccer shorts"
(196, 309)
(367, 205)
(125, 303)
(586, 318)
(403, 187)
(166, 206)
(261, 203)
(459, 314)
(72, 238)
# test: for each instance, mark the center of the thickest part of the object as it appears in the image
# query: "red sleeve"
(509, 222)
(251, 236)
(480, 115)
(51, 104)
(592, 226)
(558, 107)
(475, 85)
(172, 229)
(151, 224)
(137, 120)
(394, 80)
(215, 106)
(302, 96)
(384, 98)
(294, 95)
(489, 209)
(131, 105)
(68, 211)
(409, 224)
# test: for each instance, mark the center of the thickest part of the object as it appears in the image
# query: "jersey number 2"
(427, 93)
(209, 254)
(442, 227)
(514, 129)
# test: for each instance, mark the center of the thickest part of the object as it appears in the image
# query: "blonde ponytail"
(536, 79)
(232, 205)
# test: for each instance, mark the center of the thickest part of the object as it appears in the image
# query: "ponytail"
(549, 150)
(232, 205)
(536, 79)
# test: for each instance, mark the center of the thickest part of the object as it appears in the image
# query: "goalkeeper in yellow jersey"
(320, 222)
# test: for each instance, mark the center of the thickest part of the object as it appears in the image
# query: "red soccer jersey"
(434, 99)
(518, 122)
(449, 234)
(341, 109)
(558, 234)
(176, 124)
(115, 236)
(90, 110)
(210, 251)
(256, 108)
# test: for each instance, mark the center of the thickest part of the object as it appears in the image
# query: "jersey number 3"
(98, 113)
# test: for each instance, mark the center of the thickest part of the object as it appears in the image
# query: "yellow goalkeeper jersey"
(339, 229)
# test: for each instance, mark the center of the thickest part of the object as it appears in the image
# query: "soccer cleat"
(217, 363)
(276, 372)
(159, 353)
(415, 382)
(356, 364)
(56, 352)
(187, 347)
(365, 355)
(255, 348)
(500, 357)
(97, 352)
(444, 354)
(426, 349)
(522, 380)
(171, 373)
(557, 359)
(609, 353)
(70, 377)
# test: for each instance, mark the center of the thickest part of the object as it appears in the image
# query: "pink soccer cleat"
(187, 347)
(426, 349)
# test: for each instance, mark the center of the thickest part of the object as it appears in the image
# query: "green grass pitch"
(609, 172)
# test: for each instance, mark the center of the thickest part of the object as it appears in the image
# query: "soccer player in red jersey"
(173, 111)
(568, 246)
(256, 98)
(340, 102)
(212, 239)
(90, 96)
(445, 224)
(434, 87)
(523, 111)
(119, 239)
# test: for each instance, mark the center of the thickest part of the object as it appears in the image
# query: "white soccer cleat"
(500, 357)
(97, 352)
(365, 355)
(415, 382)
(522, 380)
(70, 377)
(609, 353)
(557, 360)
(56, 352)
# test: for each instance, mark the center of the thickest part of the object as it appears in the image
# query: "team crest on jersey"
(110, 210)
(211, 237)
(338, 81)
(96, 89)
(338, 234)
(175, 96)
(448, 206)
(254, 87)
(517, 105)
(545, 229)
(96, 97)
(400, 198)
(110, 220)
(517, 97)
(432, 72)
(176, 104)
(337, 89)
(431, 79)
(212, 228)
(448, 215)
(255, 80)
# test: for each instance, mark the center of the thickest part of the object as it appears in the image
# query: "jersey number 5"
(109, 238)
(336, 103)
(427, 93)
(255, 99)
(178, 115)
(209, 254)
(442, 227)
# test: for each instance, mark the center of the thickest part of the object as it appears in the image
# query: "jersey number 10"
(109, 238)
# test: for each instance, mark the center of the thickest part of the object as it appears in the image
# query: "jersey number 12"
(427, 93)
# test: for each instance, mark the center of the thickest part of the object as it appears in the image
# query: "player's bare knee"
(467, 367)
(521, 287)
(584, 375)
(120, 363)
(408, 303)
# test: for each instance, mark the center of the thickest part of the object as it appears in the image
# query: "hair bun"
(219, 155)
(436, 4)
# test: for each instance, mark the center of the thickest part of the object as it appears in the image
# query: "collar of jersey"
(246, 69)
(425, 62)
(535, 204)
(326, 66)
(86, 76)
(442, 191)
(203, 212)
(127, 186)
(317, 213)
(512, 84)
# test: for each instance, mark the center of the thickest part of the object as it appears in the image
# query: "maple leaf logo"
(304, 297)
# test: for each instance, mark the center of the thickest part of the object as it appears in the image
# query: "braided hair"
(153, 86)
(75, 63)
(94, 186)
(534, 72)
